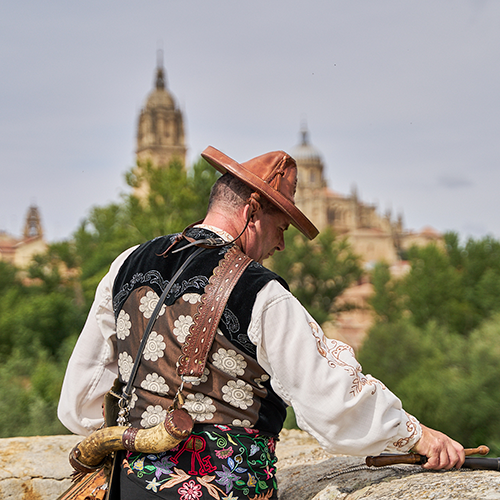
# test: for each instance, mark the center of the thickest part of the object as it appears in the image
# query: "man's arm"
(347, 411)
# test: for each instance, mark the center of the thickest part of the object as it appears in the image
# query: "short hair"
(234, 194)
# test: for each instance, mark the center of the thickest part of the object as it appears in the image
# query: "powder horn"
(90, 454)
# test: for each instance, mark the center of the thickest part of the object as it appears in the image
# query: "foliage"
(317, 271)
(385, 301)
(29, 391)
(436, 342)
(456, 286)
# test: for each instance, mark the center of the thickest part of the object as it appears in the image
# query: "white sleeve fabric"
(346, 411)
(92, 367)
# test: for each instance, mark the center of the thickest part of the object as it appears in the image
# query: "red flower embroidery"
(190, 491)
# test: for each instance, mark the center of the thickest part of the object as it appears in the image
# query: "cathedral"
(160, 129)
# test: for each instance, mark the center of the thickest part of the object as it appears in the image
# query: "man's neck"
(217, 230)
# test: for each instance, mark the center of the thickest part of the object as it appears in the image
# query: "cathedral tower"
(160, 131)
(311, 185)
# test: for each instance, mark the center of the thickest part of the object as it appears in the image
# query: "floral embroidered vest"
(234, 389)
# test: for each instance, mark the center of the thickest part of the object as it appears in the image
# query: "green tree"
(457, 286)
(433, 288)
(386, 300)
(176, 197)
(317, 271)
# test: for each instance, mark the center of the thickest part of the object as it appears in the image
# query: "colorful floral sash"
(216, 461)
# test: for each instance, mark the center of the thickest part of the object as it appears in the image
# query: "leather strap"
(205, 322)
(127, 391)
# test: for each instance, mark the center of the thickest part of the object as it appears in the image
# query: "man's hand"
(441, 451)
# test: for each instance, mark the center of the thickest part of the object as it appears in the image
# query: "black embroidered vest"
(234, 390)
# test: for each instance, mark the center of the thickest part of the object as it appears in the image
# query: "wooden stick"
(480, 450)
(415, 458)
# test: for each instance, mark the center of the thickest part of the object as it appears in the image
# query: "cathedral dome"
(160, 97)
(305, 151)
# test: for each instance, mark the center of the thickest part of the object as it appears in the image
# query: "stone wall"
(37, 469)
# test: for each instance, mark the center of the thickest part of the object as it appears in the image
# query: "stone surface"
(37, 468)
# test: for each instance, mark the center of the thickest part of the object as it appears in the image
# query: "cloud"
(451, 181)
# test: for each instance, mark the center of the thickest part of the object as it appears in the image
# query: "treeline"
(435, 341)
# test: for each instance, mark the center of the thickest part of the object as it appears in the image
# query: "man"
(268, 352)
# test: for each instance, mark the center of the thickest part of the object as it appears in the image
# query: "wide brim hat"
(273, 175)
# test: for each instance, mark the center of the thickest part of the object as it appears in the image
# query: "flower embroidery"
(190, 491)
(154, 347)
(204, 377)
(123, 325)
(200, 407)
(153, 416)
(125, 363)
(226, 478)
(163, 466)
(148, 304)
(224, 453)
(229, 362)
(181, 327)
(241, 423)
(153, 485)
(230, 497)
(333, 351)
(192, 298)
(155, 383)
(263, 378)
(238, 393)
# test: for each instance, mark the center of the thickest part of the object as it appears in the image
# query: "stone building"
(373, 236)
(20, 251)
(160, 129)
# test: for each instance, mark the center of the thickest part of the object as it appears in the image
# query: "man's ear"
(254, 204)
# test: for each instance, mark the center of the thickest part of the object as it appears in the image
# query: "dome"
(305, 151)
(160, 97)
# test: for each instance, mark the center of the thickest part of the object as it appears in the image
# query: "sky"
(401, 98)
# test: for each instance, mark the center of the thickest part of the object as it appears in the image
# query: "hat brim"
(225, 164)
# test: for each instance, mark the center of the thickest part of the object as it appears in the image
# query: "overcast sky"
(402, 98)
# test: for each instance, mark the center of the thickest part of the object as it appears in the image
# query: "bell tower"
(160, 130)
(33, 225)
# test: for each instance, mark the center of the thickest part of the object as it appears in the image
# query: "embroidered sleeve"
(347, 411)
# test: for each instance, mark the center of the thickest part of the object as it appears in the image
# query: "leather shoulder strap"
(202, 332)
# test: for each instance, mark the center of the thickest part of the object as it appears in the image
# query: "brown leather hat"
(273, 175)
